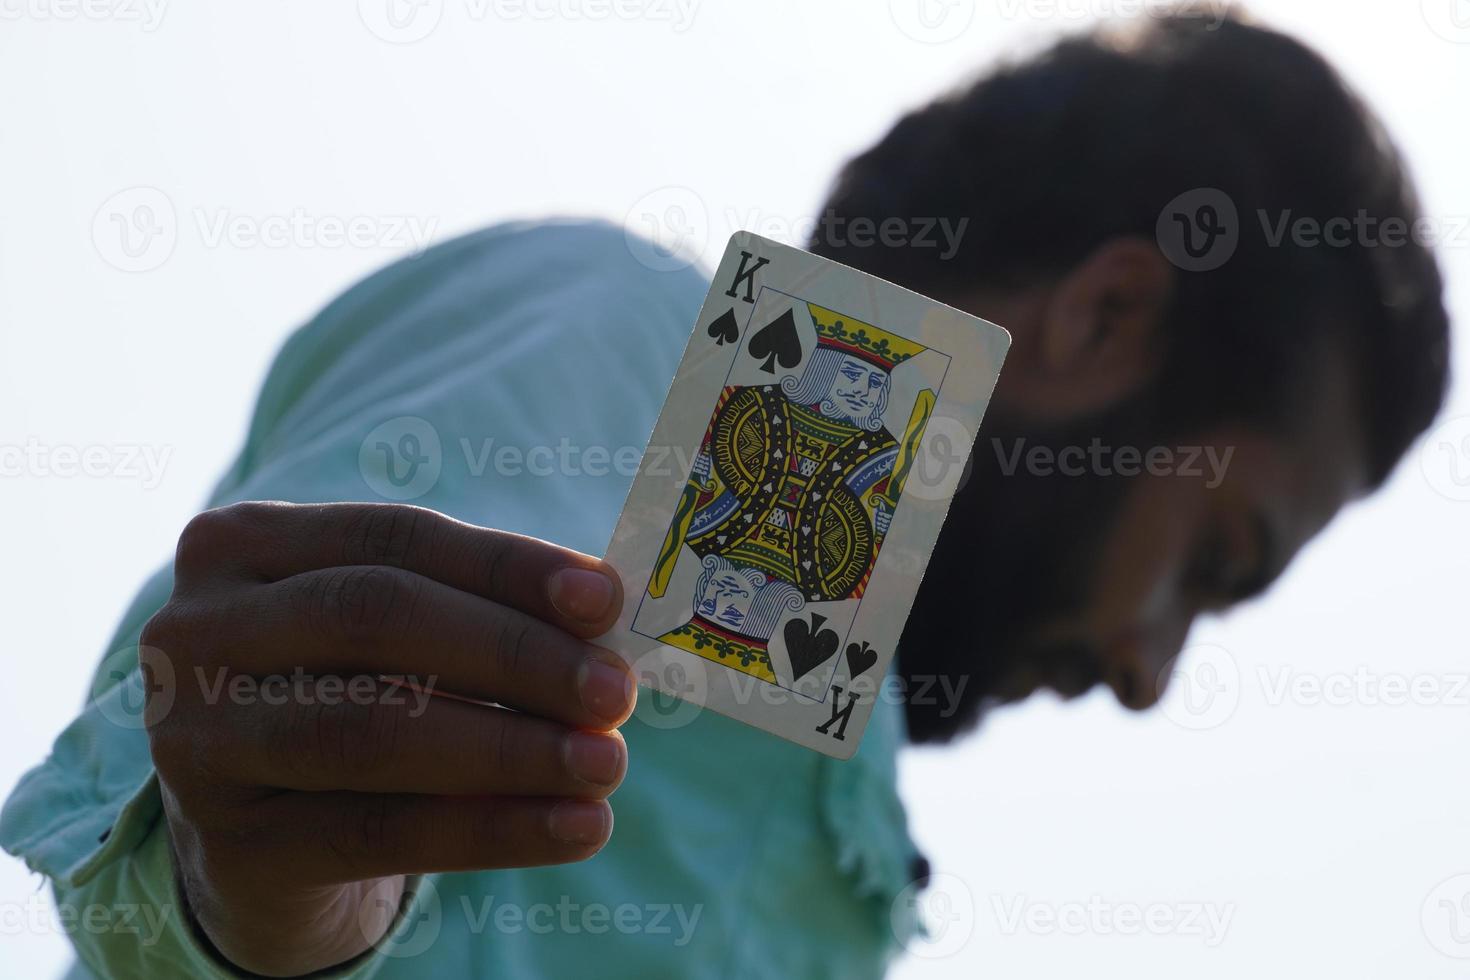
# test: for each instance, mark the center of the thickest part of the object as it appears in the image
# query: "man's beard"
(1017, 553)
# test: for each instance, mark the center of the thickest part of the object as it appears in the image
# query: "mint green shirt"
(537, 356)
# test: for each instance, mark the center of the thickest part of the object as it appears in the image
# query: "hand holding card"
(788, 502)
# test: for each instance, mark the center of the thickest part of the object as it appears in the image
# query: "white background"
(1322, 830)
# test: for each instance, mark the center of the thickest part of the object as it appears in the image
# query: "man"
(378, 834)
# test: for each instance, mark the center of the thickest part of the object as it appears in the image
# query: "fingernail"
(581, 594)
(606, 690)
(580, 822)
(595, 759)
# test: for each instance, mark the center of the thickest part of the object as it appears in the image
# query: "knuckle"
(221, 533)
(171, 756)
(315, 740)
(359, 601)
(493, 560)
(164, 629)
(175, 736)
(510, 643)
(206, 537)
(363, 830)
(498, 743)
(251, 514)
(370, 740)
(374, 825)
(489, 831)
(338, 741)
(186, 755)
(187, 630)
(386, 534)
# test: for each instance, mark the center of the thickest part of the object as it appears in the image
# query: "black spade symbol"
(724, 329)
(777, 343)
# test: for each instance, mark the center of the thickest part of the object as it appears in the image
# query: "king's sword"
(908, 449)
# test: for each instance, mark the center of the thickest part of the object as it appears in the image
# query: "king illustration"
(791, 493)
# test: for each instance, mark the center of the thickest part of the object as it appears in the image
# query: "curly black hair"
(1048, 158)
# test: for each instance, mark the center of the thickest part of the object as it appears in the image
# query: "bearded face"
(859, 390)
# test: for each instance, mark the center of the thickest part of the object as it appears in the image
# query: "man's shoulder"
(556, 313)
(550, 266)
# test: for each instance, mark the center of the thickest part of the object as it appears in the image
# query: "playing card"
(793, 489)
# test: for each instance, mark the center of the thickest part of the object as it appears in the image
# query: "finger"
(334, 838)
(334, 733)
(378, 620)
(273, 541)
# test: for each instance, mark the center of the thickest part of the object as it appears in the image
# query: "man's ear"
(1093, 337)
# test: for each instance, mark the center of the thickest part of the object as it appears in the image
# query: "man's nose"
(1139, 666)
(1163, 653)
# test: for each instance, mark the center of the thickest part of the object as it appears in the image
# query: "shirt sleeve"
(90, 819)
(452, 327)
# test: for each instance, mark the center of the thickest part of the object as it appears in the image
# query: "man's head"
(842, 386)
(1164, 437)
(859, 390)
